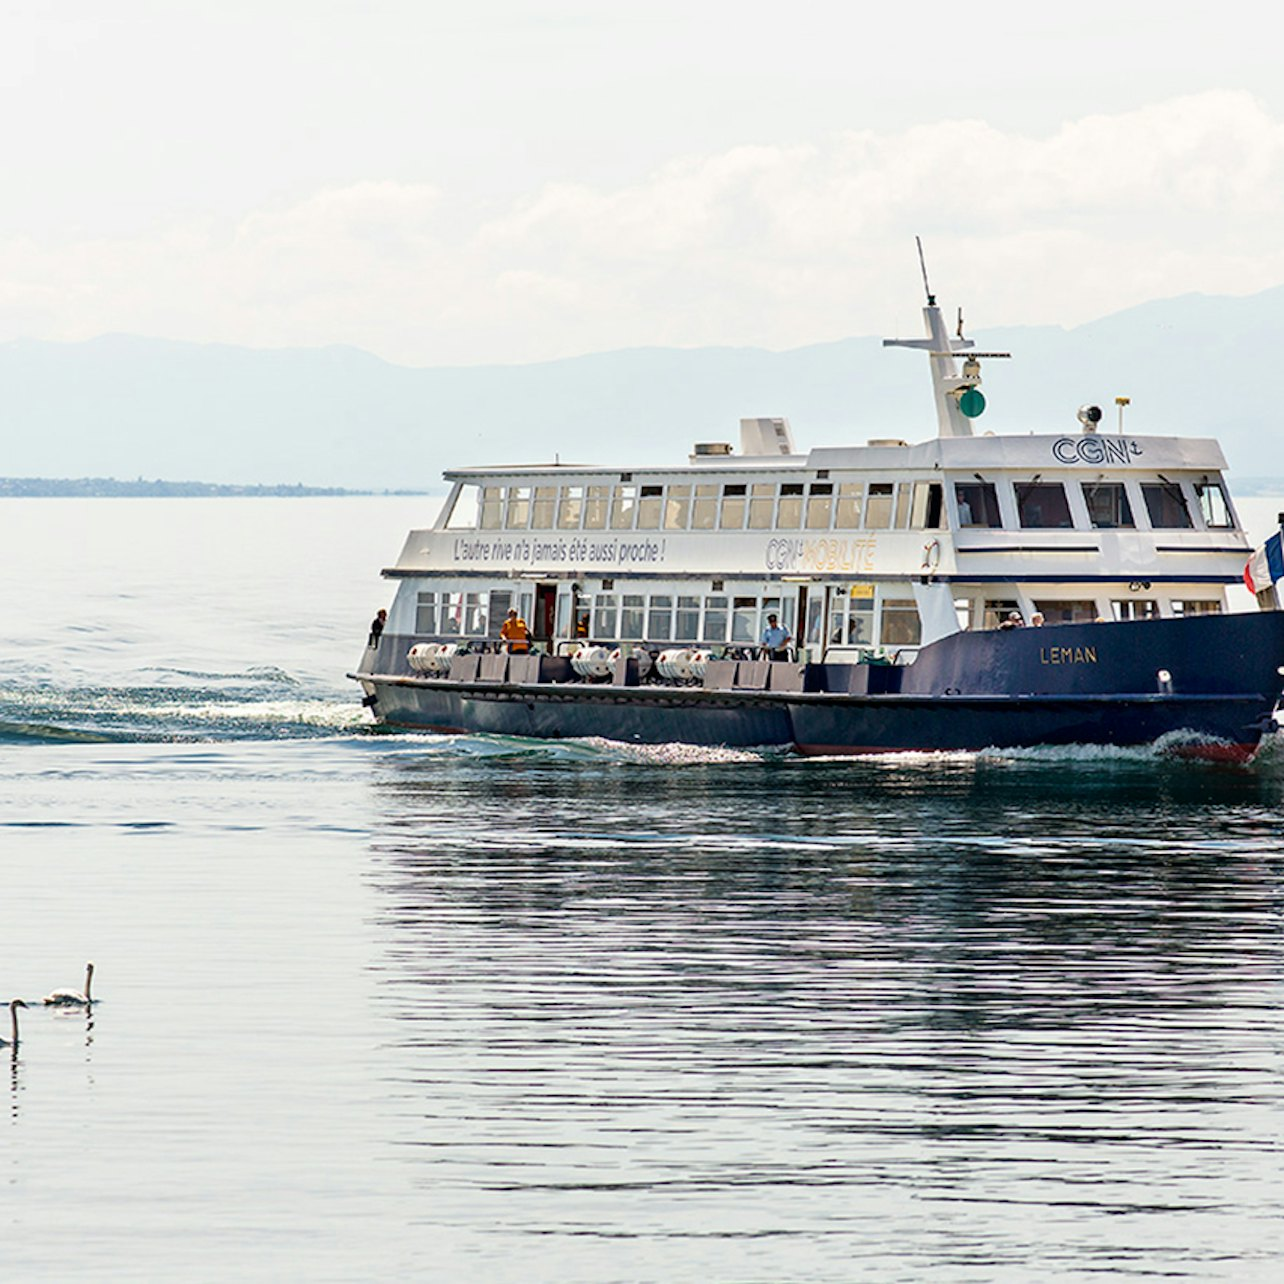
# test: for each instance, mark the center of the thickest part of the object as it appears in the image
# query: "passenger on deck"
(376, 628)
(775, 640)
(1036, 620)
(515, 633)
(581, 627)
(1014, 621)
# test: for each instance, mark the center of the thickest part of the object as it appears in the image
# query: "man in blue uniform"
(775, 640)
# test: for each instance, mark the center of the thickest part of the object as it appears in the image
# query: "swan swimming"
(14, 1005)
(72, 998)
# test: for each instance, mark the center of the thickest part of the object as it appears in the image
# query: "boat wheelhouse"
(894, 567)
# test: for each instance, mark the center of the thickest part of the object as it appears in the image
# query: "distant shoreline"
(110, 488)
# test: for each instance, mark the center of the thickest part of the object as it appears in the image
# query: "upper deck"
(1078, 504)
(1041, 505)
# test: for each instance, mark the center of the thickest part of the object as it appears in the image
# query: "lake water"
(384, 1006)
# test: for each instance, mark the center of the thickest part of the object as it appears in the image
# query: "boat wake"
(592, 749)
(171, 705)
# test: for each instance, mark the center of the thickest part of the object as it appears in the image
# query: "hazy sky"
(505, 180)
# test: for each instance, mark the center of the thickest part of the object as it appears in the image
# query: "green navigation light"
(972, 402)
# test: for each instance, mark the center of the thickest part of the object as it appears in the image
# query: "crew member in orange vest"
(515, 633)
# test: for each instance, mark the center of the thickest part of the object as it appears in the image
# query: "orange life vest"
(516, 634)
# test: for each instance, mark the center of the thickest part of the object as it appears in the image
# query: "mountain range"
(126, 406)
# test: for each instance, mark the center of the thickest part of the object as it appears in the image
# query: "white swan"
(72, 998)
(14, 1005)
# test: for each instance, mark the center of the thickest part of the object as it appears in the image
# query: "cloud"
(769, 245)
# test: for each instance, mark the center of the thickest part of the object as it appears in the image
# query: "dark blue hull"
(1210, 683)
(642, 715)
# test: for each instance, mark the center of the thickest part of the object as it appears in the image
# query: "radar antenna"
(922, 263)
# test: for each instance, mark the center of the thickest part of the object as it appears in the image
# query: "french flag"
(1266, 565)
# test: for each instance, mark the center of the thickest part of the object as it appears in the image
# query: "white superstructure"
(883, 546)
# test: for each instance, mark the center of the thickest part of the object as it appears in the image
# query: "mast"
(948, 384)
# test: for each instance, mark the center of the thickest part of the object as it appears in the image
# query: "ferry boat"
(969, 591)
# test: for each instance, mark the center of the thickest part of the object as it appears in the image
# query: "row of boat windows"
(1047, 504)
(653, 617)
(857, 615)
(850, 617)
(825, 505)
(468, 615)
(705, 506)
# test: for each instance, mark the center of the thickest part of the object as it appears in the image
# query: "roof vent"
(712, 448)
(886, 441)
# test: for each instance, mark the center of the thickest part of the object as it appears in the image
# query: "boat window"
(687, 622)
(659, 623)
(583, 615)
(677, 510)
(649, 506)
(1135, 608)
(492, 507)
(1166, 506)
(1197, 606)
(902, 506)
(542, 507)
(605, 608)
(596, 502)
(1067, 610)
(1108, 506)
(704, 512)
(563, 627)
(500, 601)
(820, 506)
(815, 620)
(475, 615)
(851, 616)
(978, 505)
(789, 514)
(925, 511)
(847, 507)
(744, 619)
(569, 509)
(900, 623)
(463, 512)
(878, 507)
(715, 619)
(997, 610)
(632, 617)
(452, 610)
(964, 610)
(1214, 506)
(733, 506)
(762, 502)
(518, 515)
(426, 613)
(1042, 505)
(623, 507)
